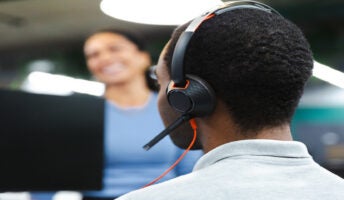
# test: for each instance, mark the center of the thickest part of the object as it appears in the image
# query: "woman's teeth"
(112, 69)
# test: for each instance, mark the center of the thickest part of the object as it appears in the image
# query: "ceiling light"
(158, 12)
(328, 74)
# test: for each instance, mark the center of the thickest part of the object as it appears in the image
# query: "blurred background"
(47, 36)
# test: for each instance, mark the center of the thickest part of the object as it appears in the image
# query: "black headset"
(189, 94)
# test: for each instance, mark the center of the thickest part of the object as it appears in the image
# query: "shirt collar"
(256, 147)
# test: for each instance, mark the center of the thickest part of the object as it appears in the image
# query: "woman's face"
(113, 59)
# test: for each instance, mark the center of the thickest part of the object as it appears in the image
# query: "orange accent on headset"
(194, 128)
(172, 85)
(206, 18)
(210, 16)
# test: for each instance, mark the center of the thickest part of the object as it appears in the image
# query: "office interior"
(45, 38)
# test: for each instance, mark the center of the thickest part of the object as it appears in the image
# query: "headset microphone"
(167, 131)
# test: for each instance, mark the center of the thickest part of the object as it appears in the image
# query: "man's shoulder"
(165, 190)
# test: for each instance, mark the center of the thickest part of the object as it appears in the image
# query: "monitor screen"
(50, 142)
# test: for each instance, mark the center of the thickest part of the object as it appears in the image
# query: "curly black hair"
(257, 63)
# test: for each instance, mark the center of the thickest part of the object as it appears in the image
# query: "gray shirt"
(250, 169)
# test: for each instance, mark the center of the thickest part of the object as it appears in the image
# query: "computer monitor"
(50, 142)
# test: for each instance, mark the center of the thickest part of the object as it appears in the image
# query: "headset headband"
(177, 69)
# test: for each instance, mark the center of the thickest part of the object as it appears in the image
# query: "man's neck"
(219, 129)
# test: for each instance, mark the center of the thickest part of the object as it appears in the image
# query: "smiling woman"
(120, 63)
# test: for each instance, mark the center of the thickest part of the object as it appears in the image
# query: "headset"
(190, 94)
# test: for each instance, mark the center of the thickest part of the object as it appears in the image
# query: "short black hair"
(257, 63)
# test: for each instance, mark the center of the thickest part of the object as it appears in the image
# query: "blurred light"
(45, 83)
(15, 196)
(328, 74)
(327, 95)
(159, 12)
(41, 65)
(67, 195)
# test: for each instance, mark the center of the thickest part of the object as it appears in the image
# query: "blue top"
(127, 165)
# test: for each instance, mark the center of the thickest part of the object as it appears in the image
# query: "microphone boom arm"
(165, 132)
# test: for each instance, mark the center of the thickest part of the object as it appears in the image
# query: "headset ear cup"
(197, 98)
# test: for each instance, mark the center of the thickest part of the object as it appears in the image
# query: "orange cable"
(194, 128)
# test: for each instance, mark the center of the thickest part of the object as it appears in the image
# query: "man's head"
(256, 62)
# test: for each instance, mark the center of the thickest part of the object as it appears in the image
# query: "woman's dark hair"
(256, 62)
(139, 41)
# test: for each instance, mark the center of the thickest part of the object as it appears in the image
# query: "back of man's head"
(257, 63)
